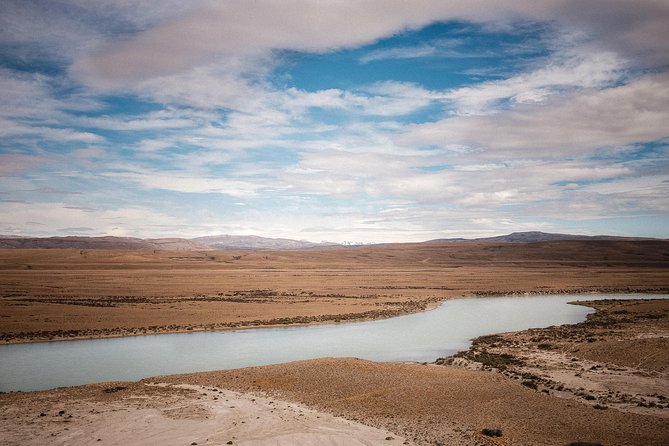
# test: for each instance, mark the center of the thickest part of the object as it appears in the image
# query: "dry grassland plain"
(52, 294)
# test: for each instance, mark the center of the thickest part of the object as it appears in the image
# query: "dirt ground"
(67, 294)
(617, 359)
(137, 414)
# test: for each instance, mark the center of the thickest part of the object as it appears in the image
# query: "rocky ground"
(617, 359)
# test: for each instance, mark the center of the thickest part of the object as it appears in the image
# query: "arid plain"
(605, 381)
(72, 293)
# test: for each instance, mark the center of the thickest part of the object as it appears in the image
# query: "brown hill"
(538, 236)
(74, 242)
(255, 243)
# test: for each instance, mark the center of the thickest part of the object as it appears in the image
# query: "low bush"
(492, 432)
(530, 384)
(495, 360)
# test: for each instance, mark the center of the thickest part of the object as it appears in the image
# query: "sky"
(344, 121)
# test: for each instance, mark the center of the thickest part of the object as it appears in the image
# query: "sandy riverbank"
(611, 387)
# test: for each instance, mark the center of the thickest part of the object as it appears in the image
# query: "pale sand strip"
(179, 415)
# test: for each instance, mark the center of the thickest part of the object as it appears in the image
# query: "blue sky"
(348, 121)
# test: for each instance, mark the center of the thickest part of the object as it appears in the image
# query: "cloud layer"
(374, 121)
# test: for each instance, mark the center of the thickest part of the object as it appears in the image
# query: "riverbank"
(620, 397)
(402, 308)
(616, 359)
(65, 294)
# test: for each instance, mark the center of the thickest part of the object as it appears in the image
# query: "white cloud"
(569, 124)
(160, 120)
(62, 30)
(527, 153)
(395, 99)
(232, 29)
(235, 28)
(420, 179)
(232, 83)
(12, 129)
(16, 164)
(189, 182)
(226, 86)
(407, 52)
(31, 95)
(562, 73)
(20, 218)
(391, 99)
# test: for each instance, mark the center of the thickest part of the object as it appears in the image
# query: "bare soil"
(617, 359)
(137, 414)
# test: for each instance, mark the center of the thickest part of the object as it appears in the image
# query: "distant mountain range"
(229, 242)
(255, 242)
(76, 242)
(244, 242)
(538, 236)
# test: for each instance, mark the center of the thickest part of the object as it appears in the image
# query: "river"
(417, 337)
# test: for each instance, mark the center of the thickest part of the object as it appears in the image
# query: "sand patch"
(176, 415)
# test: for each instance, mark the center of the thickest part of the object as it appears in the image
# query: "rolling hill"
(255, 243)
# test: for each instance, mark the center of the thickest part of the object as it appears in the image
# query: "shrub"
(530, 384)
(492, 432)
(488, 339)
(498, 361)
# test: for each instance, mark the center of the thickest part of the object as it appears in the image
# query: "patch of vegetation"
(530, 376)
(444, 361)
(530, 384)
(489, 339)
(492, 432)
(495, 360)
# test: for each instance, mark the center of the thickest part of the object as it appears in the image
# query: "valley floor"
(604, 381)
